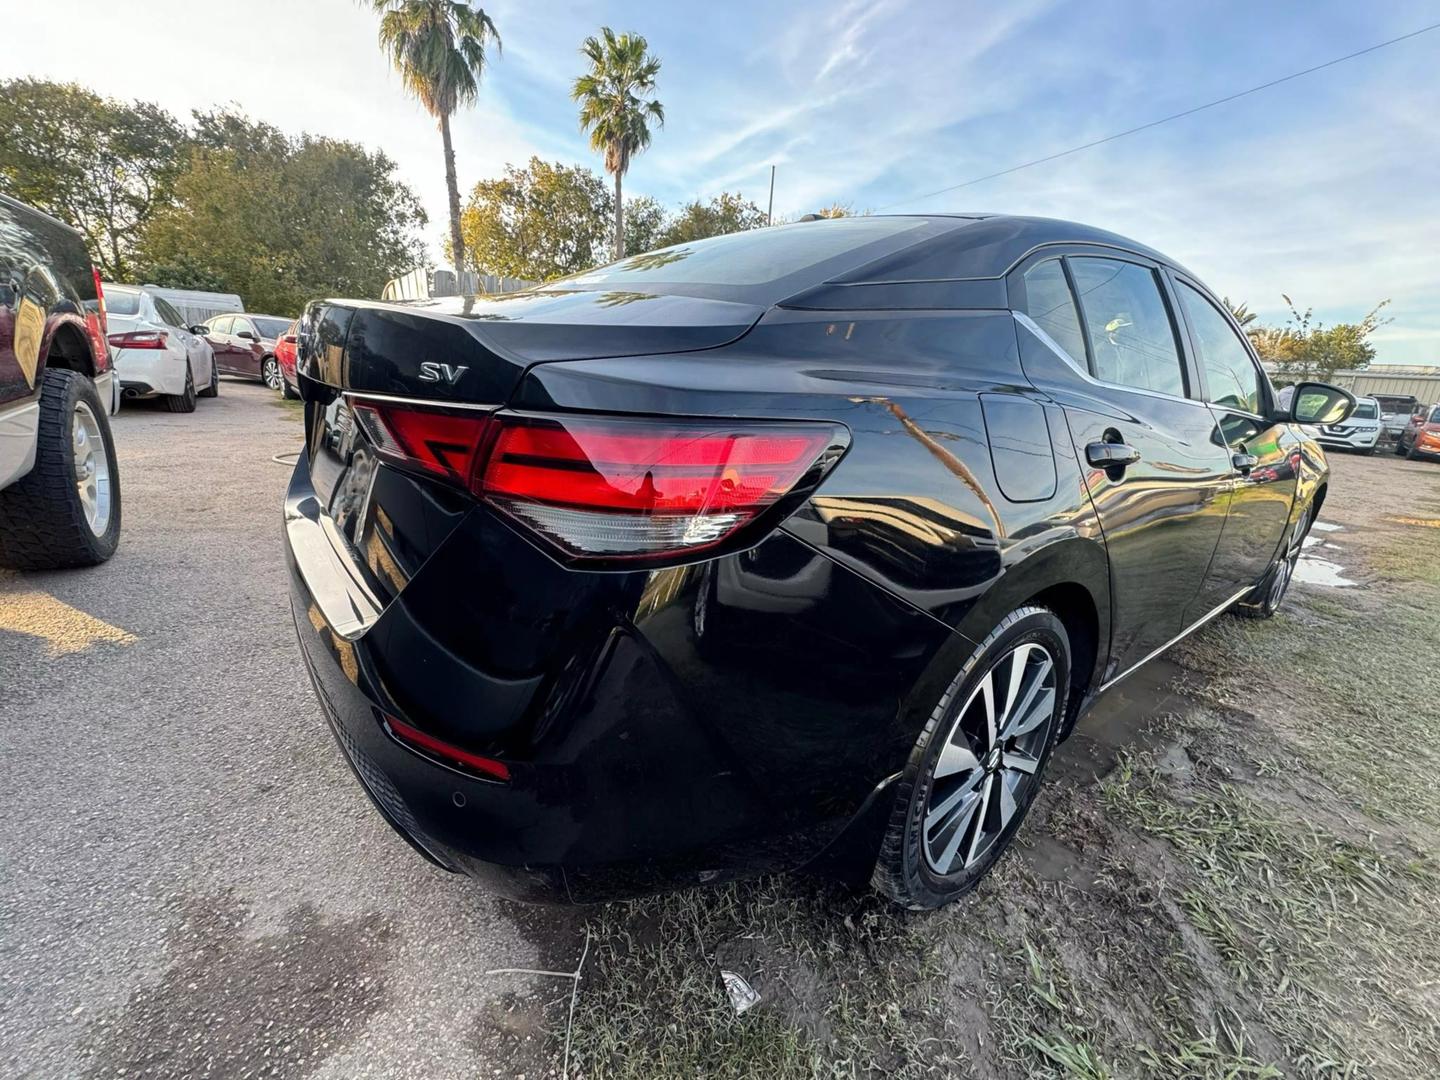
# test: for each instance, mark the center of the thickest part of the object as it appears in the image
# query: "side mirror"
(248, 336)
(200, 328)
(1320, 403)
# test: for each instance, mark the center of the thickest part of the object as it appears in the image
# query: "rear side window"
(221, 325)
(1049, 302)
(1231, 377)
(1132, 341)
(168, 314)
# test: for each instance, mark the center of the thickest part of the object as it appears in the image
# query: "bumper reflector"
(451, 755)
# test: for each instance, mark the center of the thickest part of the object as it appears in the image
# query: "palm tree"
(438, 46)
(614, 107)
(1241, 312)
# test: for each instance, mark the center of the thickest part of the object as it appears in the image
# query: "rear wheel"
(977, 764)
(66, 511)
(184, 402)
(289, 392)
(1399, 447)
(270, 373)
(212, 390)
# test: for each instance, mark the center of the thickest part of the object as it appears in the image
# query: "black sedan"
(796, 548)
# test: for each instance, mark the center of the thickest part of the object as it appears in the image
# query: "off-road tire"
(183, 402)
(43, 525)
(901, 870)
(213, 390)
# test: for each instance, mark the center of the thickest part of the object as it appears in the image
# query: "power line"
(1167, 119)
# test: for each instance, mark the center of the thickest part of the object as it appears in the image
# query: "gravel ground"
(193, 884)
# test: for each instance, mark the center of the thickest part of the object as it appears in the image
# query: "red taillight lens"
(139, 339)
(451, 755)
(613, 487)
(623, 488)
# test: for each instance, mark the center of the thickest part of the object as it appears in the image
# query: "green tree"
(102, 165)
(1240, 312)
(281, 221)
(1305, 348)
(645, 223)
(538, 222)
(438, 46)
(617, 106)
(725, 213)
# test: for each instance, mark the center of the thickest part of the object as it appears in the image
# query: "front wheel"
(977, 764)
(1265, 599)
(270, 373)
(66, 510)
(183, 402)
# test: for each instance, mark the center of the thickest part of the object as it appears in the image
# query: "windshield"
(270, 327)
(1435, 415)
(120, 301)
(748, 258)
(1366, 410)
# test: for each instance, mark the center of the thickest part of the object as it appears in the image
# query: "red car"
(285, 357)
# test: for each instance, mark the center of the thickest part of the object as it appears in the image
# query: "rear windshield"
(1365, 411)
(121, 301)
(756, 257)
(1397, 404)
(270, 328)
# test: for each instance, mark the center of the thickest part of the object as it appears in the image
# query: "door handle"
(1111, 455)
(1244, 462)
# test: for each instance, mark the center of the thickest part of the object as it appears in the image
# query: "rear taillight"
(139, 339)
(615, 488)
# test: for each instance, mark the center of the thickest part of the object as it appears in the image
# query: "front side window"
(1132, 341)
(1049, 302)
(1231, 377)
(242, 325)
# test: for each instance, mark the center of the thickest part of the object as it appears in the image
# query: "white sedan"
(155, 353)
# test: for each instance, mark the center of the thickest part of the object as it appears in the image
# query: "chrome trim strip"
(1177, 638)
(365, 395)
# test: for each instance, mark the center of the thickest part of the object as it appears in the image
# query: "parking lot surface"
(193, 883)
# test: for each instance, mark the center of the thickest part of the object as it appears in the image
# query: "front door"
(1154, 463)
(246, 354)
(1265, 455)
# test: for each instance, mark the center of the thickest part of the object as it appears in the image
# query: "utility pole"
(770, 211)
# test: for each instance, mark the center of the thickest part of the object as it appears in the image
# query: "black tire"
(906, 870)
(44, 523)
(1399, 447)
(1265, 599)
(183, 402)
(1414, 453)
(213, 390)
(288, 392)
(270, 373)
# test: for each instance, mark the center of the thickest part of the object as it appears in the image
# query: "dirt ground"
(1232, 872)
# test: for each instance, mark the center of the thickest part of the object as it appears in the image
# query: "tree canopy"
(541, 221)
(1306, 348)
(282, 220)
(102, 165)
(725, 213)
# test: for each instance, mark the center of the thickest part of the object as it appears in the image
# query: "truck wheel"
(977, 764)
(66, 511)
(183, 402)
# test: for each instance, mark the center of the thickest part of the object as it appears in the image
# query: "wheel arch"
(1072, 578)
(68, 347)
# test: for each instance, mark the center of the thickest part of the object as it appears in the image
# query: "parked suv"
(1360, 432)
(59, 481)
(155, 353)
(1395, 413)
(245, 345)
(795, 547)
(1421, 437)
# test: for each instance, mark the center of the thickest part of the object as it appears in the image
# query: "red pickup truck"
(59, 481)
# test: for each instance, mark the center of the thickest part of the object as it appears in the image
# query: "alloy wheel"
(989, 761)
(271, 374)
(1286, 570)
(92, 468)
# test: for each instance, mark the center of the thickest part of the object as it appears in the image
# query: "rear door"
(1099, 335)
(1265, 455)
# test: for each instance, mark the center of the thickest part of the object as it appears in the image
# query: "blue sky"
(1324, 188)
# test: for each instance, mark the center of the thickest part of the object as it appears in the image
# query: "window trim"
(1267, 389)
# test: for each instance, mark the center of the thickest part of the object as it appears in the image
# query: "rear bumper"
(661, 729)
(146, 372)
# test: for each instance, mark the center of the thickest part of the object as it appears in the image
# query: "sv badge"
(449, 374)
